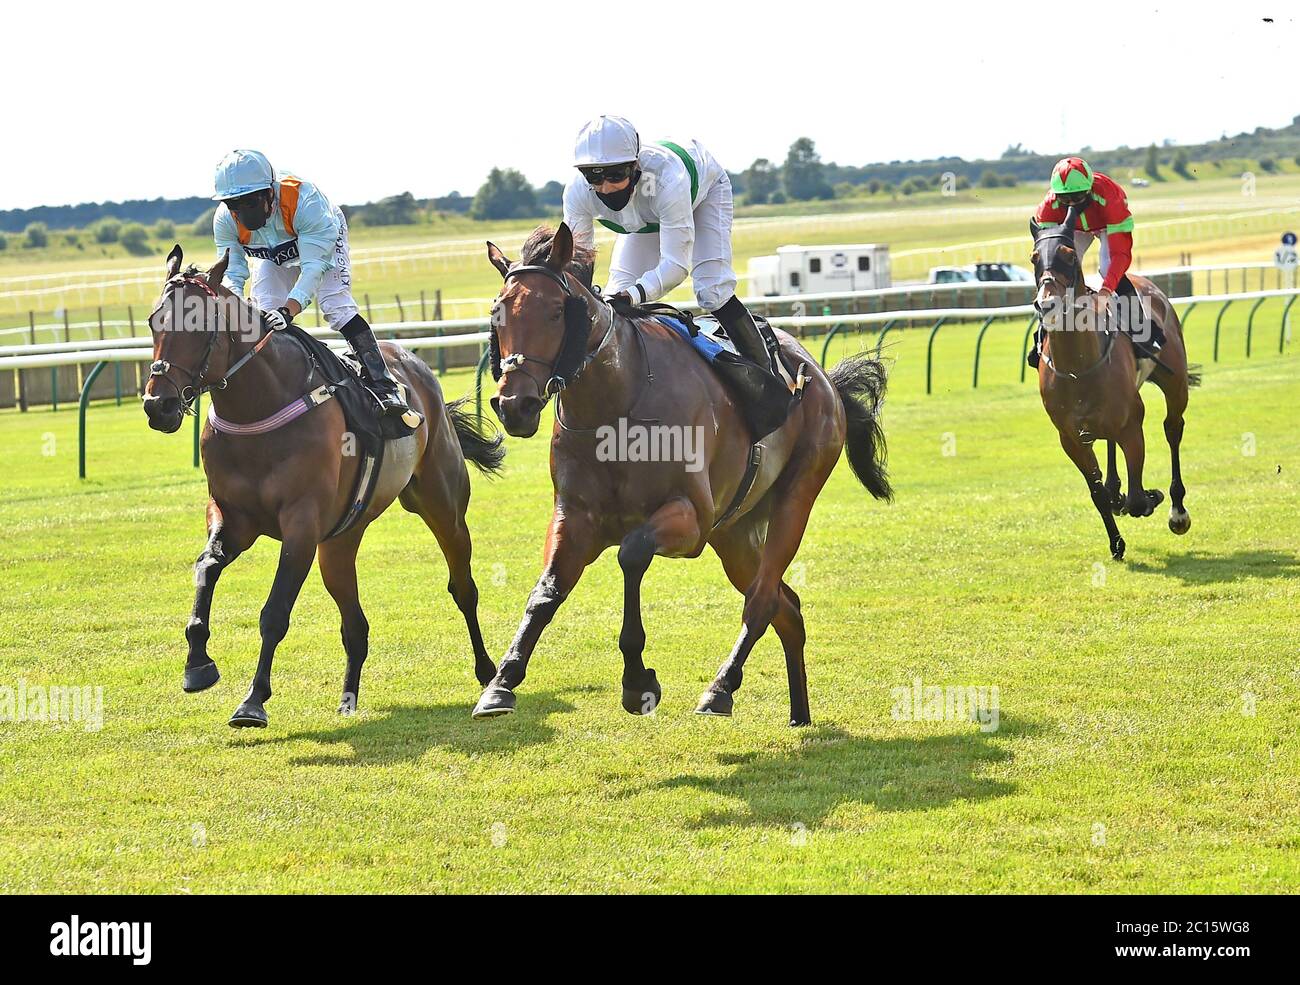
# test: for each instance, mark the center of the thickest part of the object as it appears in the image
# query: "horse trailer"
(820, 269)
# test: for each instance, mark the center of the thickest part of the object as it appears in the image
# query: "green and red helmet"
(1071, 176)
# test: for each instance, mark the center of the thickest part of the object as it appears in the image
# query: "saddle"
(765, 401)
(361, 414)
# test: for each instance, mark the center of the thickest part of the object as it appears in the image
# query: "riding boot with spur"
(362, 340)
(767, 394)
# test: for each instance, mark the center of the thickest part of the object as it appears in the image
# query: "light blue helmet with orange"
(241, 172)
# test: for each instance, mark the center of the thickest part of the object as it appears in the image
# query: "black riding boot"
(362, 340)
(766, 396)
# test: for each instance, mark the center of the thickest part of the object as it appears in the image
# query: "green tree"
(36, 236)
(135, 239)
(164, 229)
(1267, 164)
(551, 195)
(106, 230)
(505, 195)
(990, 179)
(804, 175)
(4, 242)
(203, 224)
(1153, 162)
(761, 180)
(1180, 164)
(395, 210)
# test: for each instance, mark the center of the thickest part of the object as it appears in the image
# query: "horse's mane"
(537, 249)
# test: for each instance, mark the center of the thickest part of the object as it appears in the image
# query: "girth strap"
(746, 485)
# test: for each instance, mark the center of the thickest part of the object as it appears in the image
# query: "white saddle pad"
(712, 328)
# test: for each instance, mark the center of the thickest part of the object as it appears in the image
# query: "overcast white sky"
(369, 98)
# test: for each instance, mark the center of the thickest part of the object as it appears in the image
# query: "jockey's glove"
(277, 320)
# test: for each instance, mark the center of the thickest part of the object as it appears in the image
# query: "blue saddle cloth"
(700, 342)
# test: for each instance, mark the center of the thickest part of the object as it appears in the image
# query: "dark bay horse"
(294, 481)
(635, 377)
(1089, 378)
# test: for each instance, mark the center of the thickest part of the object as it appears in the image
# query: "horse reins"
(159, 368)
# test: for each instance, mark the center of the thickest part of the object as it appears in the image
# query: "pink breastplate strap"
(277, 420)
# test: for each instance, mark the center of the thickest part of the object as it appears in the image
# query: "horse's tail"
(478, 444)
(860, 382)
(1193, 374)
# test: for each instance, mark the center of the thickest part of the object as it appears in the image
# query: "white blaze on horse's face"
(1050, 301)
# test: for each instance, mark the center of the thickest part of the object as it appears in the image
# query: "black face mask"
(254, 210)
(617, 201)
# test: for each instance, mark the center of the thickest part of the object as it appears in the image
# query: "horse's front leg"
(229, 535)
(1113, 488)
(301, 531)
(570, 547)
(1140, 502)
(1086, 462)
(674, 528)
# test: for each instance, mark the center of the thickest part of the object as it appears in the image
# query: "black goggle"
(607, 172)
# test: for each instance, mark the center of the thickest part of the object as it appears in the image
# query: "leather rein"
(191, 392)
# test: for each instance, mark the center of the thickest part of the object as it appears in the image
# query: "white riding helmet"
(241, 172)
(606, 140)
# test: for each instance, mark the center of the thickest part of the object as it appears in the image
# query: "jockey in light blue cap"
(301, 243)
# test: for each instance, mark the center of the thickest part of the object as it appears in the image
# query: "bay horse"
(553, 335)
(294, 481)
(1089, 380)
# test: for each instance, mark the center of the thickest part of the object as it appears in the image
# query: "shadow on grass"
(404, 733)
(1202, 568)
(832, 767)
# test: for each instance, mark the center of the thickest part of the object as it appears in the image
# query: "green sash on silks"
(653, 227)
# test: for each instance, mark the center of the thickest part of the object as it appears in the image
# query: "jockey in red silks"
(1103, 214)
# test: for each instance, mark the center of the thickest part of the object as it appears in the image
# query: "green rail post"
(826, 346)
(1281, 335)
(82, 401)
(880, 339)
(1217, 322)
(54, 388)
(929, 351)
(198, 426)
(1250, 323)
(979, 341)
(1186, 314)
(478, 382)
(117, 382)
(1024, 347)
(442, 355)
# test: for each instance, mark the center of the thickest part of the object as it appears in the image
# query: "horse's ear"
(1071, 219)
(218, 271)
(561, 249)
(174, 259)
(499, 259)
(1034, 227)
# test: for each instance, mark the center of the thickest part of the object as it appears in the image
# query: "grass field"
(1149, 724)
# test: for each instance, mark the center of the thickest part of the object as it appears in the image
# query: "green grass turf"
(1125, 761)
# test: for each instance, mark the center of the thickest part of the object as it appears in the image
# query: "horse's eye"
(1034, 258)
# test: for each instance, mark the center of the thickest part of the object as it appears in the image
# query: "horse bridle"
(1110, 335)
(159, 368)
(569, 362)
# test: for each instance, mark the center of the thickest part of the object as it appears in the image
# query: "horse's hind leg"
(673, 528)
(442, 508)
(1086, 462)
(228, 537)
(741, 560)
(1180, 521)
(338, 570)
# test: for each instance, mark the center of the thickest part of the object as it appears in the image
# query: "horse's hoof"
(1117, 549)
(1180, 521)
(200, 678)
(249, 715)
(715, 703)
(494, 702)
(348, 706)
(644, 697)
(800, 722)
